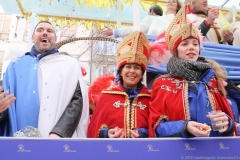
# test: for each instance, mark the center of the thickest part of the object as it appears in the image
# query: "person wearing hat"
(180, 101)
(122, 110)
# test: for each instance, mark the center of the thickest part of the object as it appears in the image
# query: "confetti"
(35, 67)
(28, 131)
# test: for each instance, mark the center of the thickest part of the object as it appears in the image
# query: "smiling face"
(200, 5)
(131, 75)
(188, 49)
(44, 37)
(172, 5)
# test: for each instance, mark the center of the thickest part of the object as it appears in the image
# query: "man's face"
(44, 37)
(200, 5)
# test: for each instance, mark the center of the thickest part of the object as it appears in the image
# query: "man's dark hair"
(156, 9)
(44, 22)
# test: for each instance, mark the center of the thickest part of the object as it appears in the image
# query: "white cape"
(57, 78)
(160, 24)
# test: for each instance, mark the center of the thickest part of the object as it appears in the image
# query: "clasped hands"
(119, 133)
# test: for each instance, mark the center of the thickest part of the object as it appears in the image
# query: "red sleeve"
(105, 114)
(156, 107)
(207, 24)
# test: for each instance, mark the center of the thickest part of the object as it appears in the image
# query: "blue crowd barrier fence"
(226, 55)
(119, 149)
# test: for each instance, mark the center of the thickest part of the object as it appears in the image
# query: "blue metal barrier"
(119, 149)
(227, 56)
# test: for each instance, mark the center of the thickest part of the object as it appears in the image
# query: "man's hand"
(212, 15)
(224, 83)
(107, 31)
(237, 124)
(5, 100)
(228, 35)
(52, 135)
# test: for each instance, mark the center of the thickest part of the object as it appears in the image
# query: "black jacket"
(70, 118)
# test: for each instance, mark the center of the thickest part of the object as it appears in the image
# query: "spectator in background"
(236, 37)
(233, 96)
(154, 12)
(211, 27)
(160, 53)
(161, 23)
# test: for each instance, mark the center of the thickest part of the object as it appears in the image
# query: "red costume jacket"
(169, 101)
(113, 109)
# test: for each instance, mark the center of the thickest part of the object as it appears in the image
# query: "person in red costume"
(180, 101)
(210, 24)
(122, 110)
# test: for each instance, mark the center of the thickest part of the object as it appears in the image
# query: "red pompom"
(160, 53)
(84, 72)
(95, 89)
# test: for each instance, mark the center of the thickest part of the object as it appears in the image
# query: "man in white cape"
(49, 89)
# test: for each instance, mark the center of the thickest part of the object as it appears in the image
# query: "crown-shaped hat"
(180, 28)
(134, 48)
(187, 1)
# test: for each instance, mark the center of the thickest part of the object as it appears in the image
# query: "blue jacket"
(233, 96)
(199, 107)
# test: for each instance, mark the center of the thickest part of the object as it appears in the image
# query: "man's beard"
(43, 49)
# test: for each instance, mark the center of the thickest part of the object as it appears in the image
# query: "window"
(1, 61)
(5, 22)
(68, 32)
(107, 48)
(107, 69)
(25, 35)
